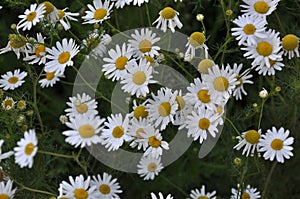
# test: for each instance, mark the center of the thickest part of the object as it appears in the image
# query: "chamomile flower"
(139, 2)
(161, 196)
(275, 65)
(17, 43)
(143, 43)
(139, 111)
(99, 12)
(50, 79)
(204, 65)
(149, 167)
(51, 12)
(168, 18)
(249, 28)
(162, 107)
(10, 81)
(156, 144)
(122, 3)
(107, 187)
(8, 103)
(249, 140)
(196, 194)
(38, 50)
(6, 189)
(4, 155)
(184, 108)
(196, 41)
(26, 149)
(137, 78)
(81, 105)
(276, 144)
(290, 45)
(85, 130)
(117, 62)
(242, 79)
(115, 132)
(248, 192)
(31, 16)
(260, 8)
(64, 17)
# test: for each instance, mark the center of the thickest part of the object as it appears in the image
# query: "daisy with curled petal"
(10, 80)
(117, 62)
(31, 16)
(290, 45)
(196, 41)
(122, 3)
(196, 194)
(50, 79)
(242, 79)
(143, 43)
(139, 2)
(64, 18)
(155, 144)
(8, 103)
(99, 12)
(115, 132)
(51, 12)
(249, 139)
(275, 65)
(6, 191)
(168, 18)
(249, 28)
(153, 196)
(38, 51)
(17, 43)
(149, 167)
(248, 192)
(81, 105)
(61, 56)
(4, 155)
(107, 187)
(85, 130)
(26, 149)
(276, 144)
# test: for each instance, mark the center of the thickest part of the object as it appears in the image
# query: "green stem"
(268, 180)
(174, 185)
(242, 178)
(148, 15)
(74, 36)
(261, 113)
(37, 190)
(55, 154)
(122, 33)
(233, 126)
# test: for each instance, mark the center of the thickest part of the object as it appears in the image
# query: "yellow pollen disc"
(204, 123)
(139, 132)
(164, 109)
(82, 108)
(245, 195)
(100, 13)
(168, 13)
(139, 78)
(151, 167)
(31, 16)
(64, 57)
(61, 14)
(17, 41)
(203, 96)
(49, 7)
(118, 131)
(81, 193)
(149, 59)
(252, 136)
(197, 39)
(202, 197)
(140, 111)
(240, 80)
(290, 42)
(8, 102)
(4, 196)
(261, 7)
(219, 110)
(145, 46)
(29, 148)
(50, 75)
(86, 131)
(249, 29)
(121, 62)
(154, 142)
(104, 189)
(277, 144)
(221, 84)
(13, 80)
(180, 101)
(204, 65)
(264, 48)
(40, 49)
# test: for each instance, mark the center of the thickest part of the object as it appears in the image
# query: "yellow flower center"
(140, 111)
(203, 96)
(219, 110)
(168, 13)
(197, 39)
(17, 41)
(139, 78)
(245, 195)
(180, 101)
(149, 59)
(145, 46)
(202, 197)
(204, 65)
(121, 62)
(13, 80)
(204, 123)
(221, 84)
(249, 29)
(154, 142)
(50, 75)
(31, 16)
(277, 144)
(100, 13)
(81, 193)
(164, 109)
(8, 102)
(261, 7)
(4, 196)
(21, 105)
(61, 14)
(104, 189)
(252, 136)
(64, 57)
(29, 148)
(264, 48)
(49, 7)
(152, 167)
(118, 131)
(82, 108)
(40, 49)
(139, 132)
(290, 42)
(86, 131)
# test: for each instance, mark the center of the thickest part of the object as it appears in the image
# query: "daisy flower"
(8, 103)
(10, 80)
(18, 44)
(107, 187)
(117, 62)
(4, 155)
(137, 78)
(184, 108)
(143, 43)
(242, 79)
(260, 8)
(139, 111)
(155, 145)
(153, 196)
(51, 12)
(64, 18)
(98, 13)
(276, 144)
(196, 41)
(275, 65)
(139, 2)
(38, 50)
(149, 167)
(31, 16)
(204, 65)
(248, 192)
(249, 140)
(162, 107)
(196, 194)
(26, 149)
(6, 190)
(290, 45)
(249, 28)
(81, 105)
(122, 3)
(168, 18)
(96, 42)
(50, 79)
(115, 133)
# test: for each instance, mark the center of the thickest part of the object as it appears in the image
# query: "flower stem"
(268, 179)
(55, 154)
(261, 113)
(148, 15)
(174, 185)
(233, 126)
